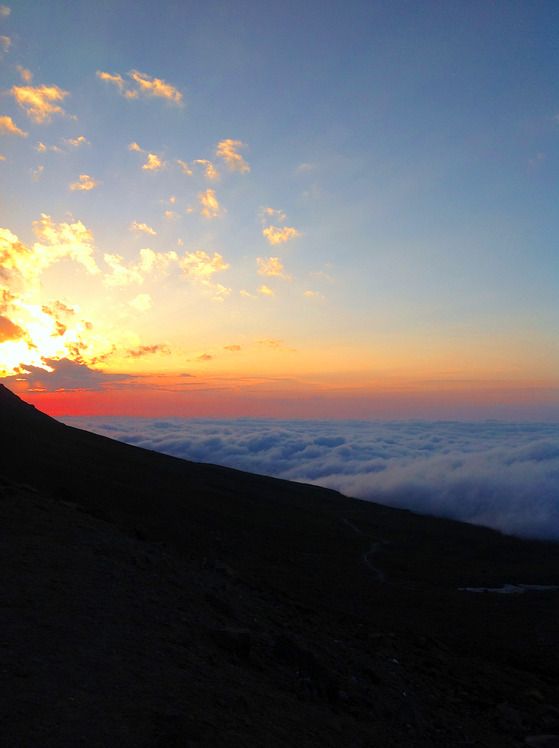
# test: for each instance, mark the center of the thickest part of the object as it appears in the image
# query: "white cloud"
(503, 475)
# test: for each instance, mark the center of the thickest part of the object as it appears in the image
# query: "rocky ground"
(253, 621)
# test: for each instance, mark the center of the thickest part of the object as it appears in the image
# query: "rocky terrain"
(149, 601)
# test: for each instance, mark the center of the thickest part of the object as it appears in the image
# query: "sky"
(498, 474)
(280, 209)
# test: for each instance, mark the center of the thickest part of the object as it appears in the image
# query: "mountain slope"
(188, 602)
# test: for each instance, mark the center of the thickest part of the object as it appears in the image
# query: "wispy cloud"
(41, 102)
(8, 127)
(85, 182)
(76, 142)
(272, 267)
(4, 11)
(228, 151)
(26, 75)
(156, 87)
(210, 172)
(135, 147)
(135, 226)
(141, 84)
(142, 302)
(265, 291)
(5, 44)
(123, 275)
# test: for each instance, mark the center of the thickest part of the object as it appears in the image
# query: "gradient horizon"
(274, 210)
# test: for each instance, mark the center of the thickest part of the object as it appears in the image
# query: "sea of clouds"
(499, 474)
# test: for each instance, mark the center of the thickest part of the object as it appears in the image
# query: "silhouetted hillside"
(150, 601)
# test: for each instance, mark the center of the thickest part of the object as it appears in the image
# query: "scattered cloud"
(122, 275)
(314, 295)
(265, 291)
(232, 348)
(200, 266)
(85, 182)
(26, 75)
(227, 150)
(40, 102)
(154, 163)
(8, 127)
(4, 11)
(278, 215)
(156, 87)
(502, 475)
(76, 142)
(274, 234)
(220, 292)
(5, 44)
(277, 235)
(272, 267)
(149, 350)
(37, 173)
(142, 302)
(185, 167)
(135, 147)
(135, 226)
(210, 172)
(142, 84)
(205, 357)
(210, 207)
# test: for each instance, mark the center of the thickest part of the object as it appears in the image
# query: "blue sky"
(409, 147)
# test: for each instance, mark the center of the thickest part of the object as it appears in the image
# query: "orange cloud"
(272, 267)
(232, 348)
(156, 87)
(135, 226)
(9, 330)
(227, 150)
(154, 163)
(75, 142)
(185, 167)
(145, 84)
(26, 75)
(135, 147)
(85, 182)
(200, 266)
(277, 235)
(4, 10)
(265, 291)
(210, 171)
(7, 126)
(210, 207)
(40, 103)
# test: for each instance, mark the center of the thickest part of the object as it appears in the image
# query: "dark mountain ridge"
(154, 601)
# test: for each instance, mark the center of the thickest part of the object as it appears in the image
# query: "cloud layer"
(502, 475)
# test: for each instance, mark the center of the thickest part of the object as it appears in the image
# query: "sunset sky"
(280, 209)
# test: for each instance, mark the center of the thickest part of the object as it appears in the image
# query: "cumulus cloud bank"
(502, 475)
